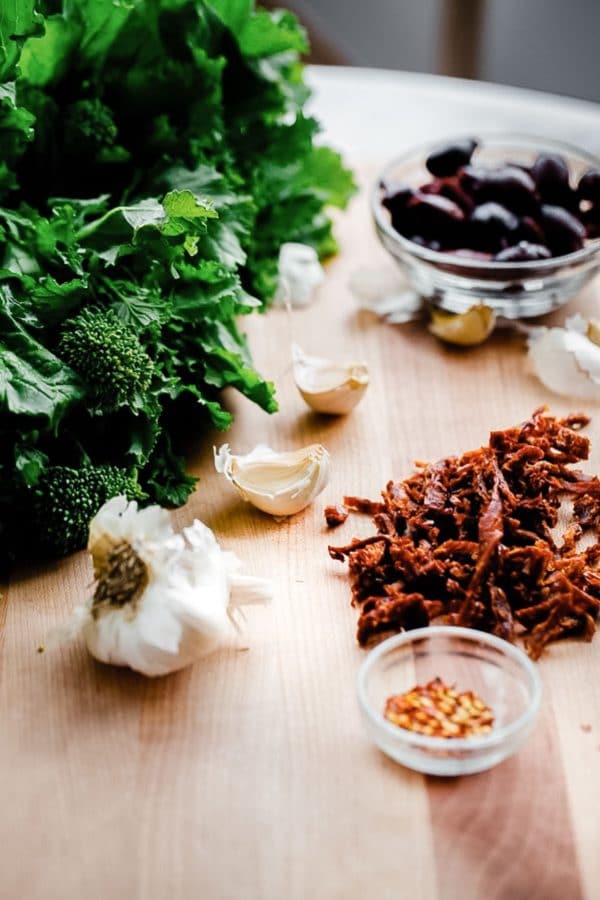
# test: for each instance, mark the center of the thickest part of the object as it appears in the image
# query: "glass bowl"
(502, 674)
(514, 290)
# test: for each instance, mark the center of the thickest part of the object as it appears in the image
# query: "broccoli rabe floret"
(89, 126)
(65, 500)
(107, 356)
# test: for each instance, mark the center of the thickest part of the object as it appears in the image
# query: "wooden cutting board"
(248, 776)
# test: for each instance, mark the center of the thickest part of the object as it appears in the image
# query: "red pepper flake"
(438, 710)
(469, 540)
(335, 515)
(586, 728)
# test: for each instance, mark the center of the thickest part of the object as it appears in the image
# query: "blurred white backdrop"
(551, 45)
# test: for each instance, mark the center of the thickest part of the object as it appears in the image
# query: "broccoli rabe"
(107, 356)
(89, 127)
(64, 501)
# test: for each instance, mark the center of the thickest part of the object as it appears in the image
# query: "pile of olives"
(509, 213)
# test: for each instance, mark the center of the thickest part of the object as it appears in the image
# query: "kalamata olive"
(447, 159)
(530, 231)
(551, 175)
(491, 224)
(589, 186)
(564, 232)
(433, 217)
(396, 195)
(507, 185)
(591, 215)
(449, 187)
(523, 252)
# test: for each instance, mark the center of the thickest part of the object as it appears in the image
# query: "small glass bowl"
(514, 290)
(503, 676)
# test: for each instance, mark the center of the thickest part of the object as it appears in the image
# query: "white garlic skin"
(280, 484)
(327, 386)
(300, 272)
(566, 360)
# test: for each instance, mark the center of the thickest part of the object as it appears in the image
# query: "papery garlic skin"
(280, 484)
(300, 272)
(384, 291)
(190, 591)
(463, 329)
(327, 386)
(566, 360)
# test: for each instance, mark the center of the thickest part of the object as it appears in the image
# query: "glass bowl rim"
(497, 736)
(472, 265)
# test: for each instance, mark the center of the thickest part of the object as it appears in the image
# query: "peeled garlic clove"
(327, 386)
(299, 274)
(279, 484)
(464, 329)
(566, 360)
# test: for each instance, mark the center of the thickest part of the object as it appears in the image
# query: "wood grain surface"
(248, 775)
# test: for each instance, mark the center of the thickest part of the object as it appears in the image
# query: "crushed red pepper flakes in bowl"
(469, 541)
(438, 710)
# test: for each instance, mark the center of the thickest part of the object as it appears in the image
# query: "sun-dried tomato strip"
(469, 540)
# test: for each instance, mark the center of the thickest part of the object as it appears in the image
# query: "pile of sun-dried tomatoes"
(472, 541)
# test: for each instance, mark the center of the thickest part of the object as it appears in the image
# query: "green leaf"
(225, 367)
(33, 382)
(45, 58)
(269, 33)
(18, 19)
(233, 13)
(30, 463)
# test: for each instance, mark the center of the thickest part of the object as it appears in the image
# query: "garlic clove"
(280, 484)
(300, 272)
(463, 329)
(327, 386)
(592, 331)
(566, 360)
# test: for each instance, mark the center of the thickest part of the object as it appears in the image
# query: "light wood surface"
(248, 776)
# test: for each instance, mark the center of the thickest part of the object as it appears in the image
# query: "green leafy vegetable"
(154, 156)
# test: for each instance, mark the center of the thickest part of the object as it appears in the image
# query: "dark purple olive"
(396, 199)
(551, 175)
(590, 216)
(589, 186)
(564, 232)
(523, 252)
(507, 185)
(447, 159)
(396, 195)
(450, 188)
(434, 218)
(592, 231)
(530, 231)
(490, 225)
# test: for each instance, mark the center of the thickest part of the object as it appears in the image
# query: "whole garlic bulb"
(161, 599)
